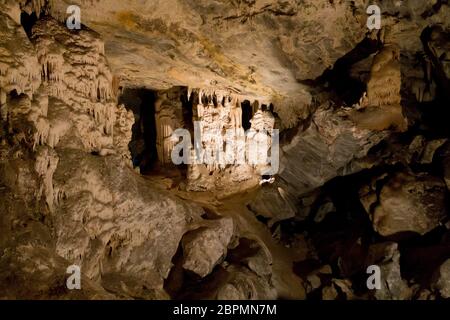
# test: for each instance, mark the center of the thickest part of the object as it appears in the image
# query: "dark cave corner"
(143, 102)
(338, 80)
(247, 114)
(143, 145)
(143, 142)
(342, 238)
(28, 21)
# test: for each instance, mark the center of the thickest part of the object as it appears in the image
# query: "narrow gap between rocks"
(141, 102)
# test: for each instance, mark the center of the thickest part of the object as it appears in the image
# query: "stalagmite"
(259, 138)
(166, 124)
(236, 114)
(222, 152)
(381, 109)
(384, 84)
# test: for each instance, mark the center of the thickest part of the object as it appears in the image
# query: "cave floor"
(288, 285)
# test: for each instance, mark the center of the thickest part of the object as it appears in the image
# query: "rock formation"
(168, 119)
(443, 281)
(380, 107)
(314, 149)
(224, 152)
(406, 203)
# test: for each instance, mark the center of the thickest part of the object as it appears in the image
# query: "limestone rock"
(198, 43)
(19, 67)
(329, 293)
(443, 281)
(69, 193)
(381, 108)
(324, 209)
(205, 248)
(314, 280)
(272, 203)
(406, 203)
(329, 147)
(387, 257)
(243, 284)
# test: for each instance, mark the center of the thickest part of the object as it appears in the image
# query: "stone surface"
(406, 202)
(387, 257)
(205, 248)
(443, 282)
(363, 139)
(201, 44)
(242, 284)
(330, 146)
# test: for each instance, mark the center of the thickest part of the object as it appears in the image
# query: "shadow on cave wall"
(141, 102)
(348, 90)
(142, 146)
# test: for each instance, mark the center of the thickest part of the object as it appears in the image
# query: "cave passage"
(348, 89)
(27, 21)
(247, 114)
(187, 109)
(143, 142)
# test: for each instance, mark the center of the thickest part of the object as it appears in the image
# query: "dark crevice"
(28, 21)
(143, 142)
(247, 114)
(434, 9)
(338, 79)
(188, 113)
(443, 83)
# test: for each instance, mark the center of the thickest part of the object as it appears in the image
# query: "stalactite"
(20, 72)
(223, 140)
(38, 5)
(77, 73)
(236, 114)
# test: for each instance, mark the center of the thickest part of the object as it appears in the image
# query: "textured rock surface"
(406, 203)
(110, 221)
(244, 285)
(443, 282)
(95, 211)
(393, 287)
(205, 248)
(364, 152)
(199, 43)
(330, 146)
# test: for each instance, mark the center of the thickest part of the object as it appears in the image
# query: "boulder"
(405, 202)
(205, 248)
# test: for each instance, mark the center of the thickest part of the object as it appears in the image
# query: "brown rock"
(406, 203)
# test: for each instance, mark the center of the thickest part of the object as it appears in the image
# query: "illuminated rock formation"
(166, 123)
(77, 105)
(384, 83)
(225, 151)
(380, 107)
